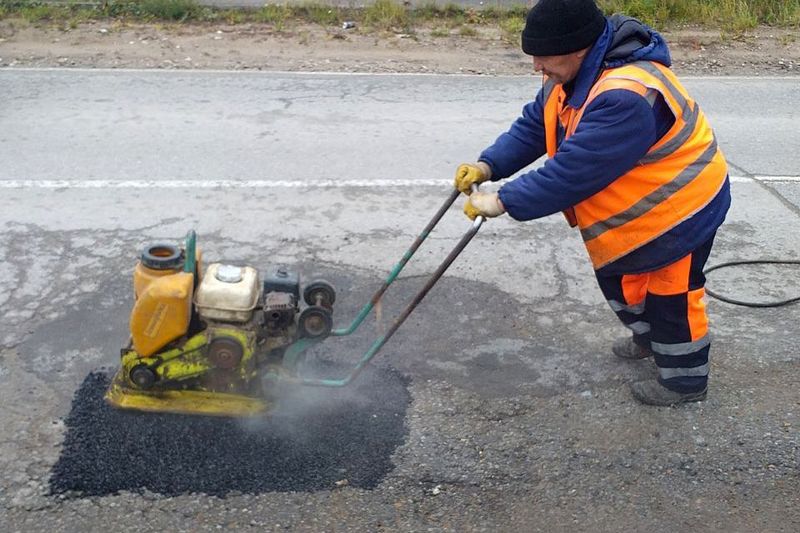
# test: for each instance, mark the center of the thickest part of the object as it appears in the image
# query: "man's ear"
(580, 54)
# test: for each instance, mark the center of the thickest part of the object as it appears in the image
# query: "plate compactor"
(217, 340)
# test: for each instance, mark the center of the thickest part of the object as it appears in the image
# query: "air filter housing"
(227, 293)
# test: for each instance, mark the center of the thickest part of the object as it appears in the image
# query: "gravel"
(316, 439)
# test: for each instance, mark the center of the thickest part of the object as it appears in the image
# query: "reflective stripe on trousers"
(666, 309)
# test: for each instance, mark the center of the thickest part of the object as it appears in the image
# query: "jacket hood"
(631, 40)
(624, 41)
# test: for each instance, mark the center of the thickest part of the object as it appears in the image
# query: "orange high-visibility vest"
(680, 174)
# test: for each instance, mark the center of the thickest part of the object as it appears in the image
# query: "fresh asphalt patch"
(315, 439)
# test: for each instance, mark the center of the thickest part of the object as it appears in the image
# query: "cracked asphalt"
(513, 413)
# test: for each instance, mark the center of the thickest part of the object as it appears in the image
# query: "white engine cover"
(227, 293)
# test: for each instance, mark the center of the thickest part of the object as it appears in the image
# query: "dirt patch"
(764, 51)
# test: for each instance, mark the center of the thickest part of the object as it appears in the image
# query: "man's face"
(560, 69)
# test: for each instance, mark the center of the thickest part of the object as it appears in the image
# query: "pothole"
(315, 439)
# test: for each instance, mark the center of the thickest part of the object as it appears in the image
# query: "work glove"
(486, 204)
(467, 174)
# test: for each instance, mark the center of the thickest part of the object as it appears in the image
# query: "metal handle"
(380, 342)
(362, 315)
(397, 268)
(189, 262)
(294, 351)
(480, 219)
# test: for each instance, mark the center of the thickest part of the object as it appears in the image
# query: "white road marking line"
(221, 184)
(278, 184)
(778, 178)
(85, 70)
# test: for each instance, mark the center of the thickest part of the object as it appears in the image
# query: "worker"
(634, 164)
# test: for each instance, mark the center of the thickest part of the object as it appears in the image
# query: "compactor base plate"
(187, 402)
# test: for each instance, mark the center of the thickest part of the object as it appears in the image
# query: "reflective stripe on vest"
(680, 174)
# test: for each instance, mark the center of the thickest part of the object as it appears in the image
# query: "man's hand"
(486, 204)
(467, 174)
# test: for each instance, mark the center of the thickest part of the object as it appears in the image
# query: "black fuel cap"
(162, 256)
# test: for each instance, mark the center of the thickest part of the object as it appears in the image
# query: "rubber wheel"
(319, 290)
(315, 322)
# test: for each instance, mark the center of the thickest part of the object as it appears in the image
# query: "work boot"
(628, 349)
(651, 392)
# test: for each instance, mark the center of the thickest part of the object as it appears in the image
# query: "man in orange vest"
(634, 164)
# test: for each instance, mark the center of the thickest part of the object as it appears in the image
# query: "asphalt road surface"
(496, 407)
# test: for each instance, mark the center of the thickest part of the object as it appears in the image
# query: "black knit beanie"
(558, 27)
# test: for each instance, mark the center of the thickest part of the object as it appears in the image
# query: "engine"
(266, 313)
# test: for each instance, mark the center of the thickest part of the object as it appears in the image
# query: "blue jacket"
(624, 125)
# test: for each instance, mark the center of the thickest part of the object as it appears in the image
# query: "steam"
(294, 408)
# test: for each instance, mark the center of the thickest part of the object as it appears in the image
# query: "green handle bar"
(189, 263)
(397, 268)
(294, 351)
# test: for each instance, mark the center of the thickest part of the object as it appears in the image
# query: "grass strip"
(392, 15)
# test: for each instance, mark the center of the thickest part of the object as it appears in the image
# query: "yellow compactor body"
(174, 362)
(203, 340)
